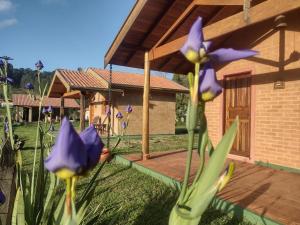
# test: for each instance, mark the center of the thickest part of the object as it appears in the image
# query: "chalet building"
(264, 91)
(92, 86)
(27, 109)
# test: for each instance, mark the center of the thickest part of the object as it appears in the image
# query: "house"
(264, 91)
(27, 108)
(126, 89)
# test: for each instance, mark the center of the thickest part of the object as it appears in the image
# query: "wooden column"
(30, 115)
(82, 111)
(17, 114)
(62, 108)
(145, 131)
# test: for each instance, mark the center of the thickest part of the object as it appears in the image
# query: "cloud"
(5, 5)
(8, 23)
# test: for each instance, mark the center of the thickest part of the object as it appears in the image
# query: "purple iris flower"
(76, 153)
(44, 111)
(50, 110)
(2, 198)
(209, 86)
(108, 113)
(6, 58)
(124, 124)
(119, 115)
(129, 109)
(29, 86)
(9, 80)
(68, 152)
(93, 145)
(39, 65)
(197, 50)
(6, 127)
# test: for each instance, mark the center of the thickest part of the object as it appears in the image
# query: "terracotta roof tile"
(121, 79)
(81, 79)
(25, 100)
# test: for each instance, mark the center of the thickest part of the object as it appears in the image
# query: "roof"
(161, 26)
(79, 79)
(26, 100)
(133, 80)
(98, 79)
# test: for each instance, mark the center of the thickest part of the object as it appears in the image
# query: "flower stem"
(8, 113)
(69, 196)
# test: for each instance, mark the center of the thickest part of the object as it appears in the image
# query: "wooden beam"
(139, 5)
(71, 93)
(185, 13)
(82, 111)
(219, 2)
(145, 131)
(62, 109)
(258, 13)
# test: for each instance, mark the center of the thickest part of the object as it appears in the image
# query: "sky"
(62, 33)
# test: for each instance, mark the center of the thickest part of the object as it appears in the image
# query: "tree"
(181, 99)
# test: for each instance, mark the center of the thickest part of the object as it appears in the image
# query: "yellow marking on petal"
(208, 96)
(202, 53)
(192, 56)
(64, 173)
(225, 179)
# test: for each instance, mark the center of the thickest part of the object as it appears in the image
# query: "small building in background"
(126, 89)
(27, 108)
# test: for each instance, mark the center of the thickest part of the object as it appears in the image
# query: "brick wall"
(275, 112)
(161, 112)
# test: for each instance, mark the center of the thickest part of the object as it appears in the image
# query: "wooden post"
(145, 131)
(17, 118)
(62, 110)
(30, 115)
(82, 109)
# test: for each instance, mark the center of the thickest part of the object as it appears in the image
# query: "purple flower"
(44, 111)
(108, 113)
(39, 65)
(2, 198)
(9, 80)
(1, 62)
(129, 109)
(74, 154)
(124, 124)
(6, 58)
(68, 156)
(50, 110)
(209, 86)
(119, 115)
(197, 50)
(93, 145)
(29, 86)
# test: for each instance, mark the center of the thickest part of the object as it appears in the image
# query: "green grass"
(126, 196)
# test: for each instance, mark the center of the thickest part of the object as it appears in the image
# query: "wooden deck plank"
(267, 192)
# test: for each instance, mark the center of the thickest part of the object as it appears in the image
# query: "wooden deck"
(266, 192)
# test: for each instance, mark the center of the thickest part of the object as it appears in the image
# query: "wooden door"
(237, 103)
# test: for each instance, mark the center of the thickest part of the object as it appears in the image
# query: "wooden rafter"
(258, 13)
(128, 23)
(188, 11)
(70, 94)
(153, 26)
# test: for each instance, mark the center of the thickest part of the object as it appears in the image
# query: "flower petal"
(68, 152)
(209, 86)
(194, 42)
(93, 145)
(222, 55)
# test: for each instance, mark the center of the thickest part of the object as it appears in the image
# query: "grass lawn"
(126, 196)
